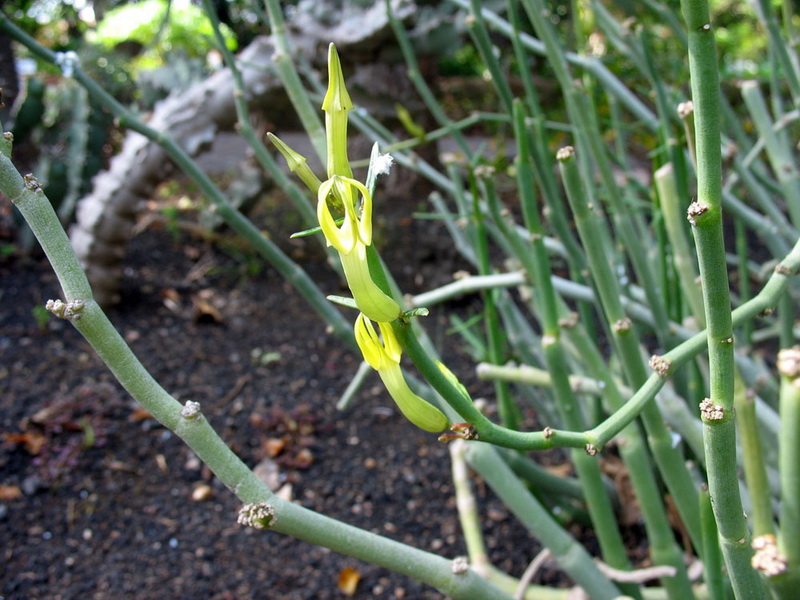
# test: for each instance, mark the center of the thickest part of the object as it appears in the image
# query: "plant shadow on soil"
(100, 501)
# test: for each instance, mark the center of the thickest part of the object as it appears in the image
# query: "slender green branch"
(538, 269)
(705, 215)
(468, 510)
(245, 128)
(509, 412)
(685, 263)
(789, 368)
(777, 147)
(591, 65)
(415, 75)
(571, 556)
(480, 35)
(601, 434)
(755, 465)
(777, 44)
(668, 457)
(528, 375)
(284, 66)
(712, 558)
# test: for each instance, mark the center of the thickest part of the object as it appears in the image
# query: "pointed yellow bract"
(337, 99)
(297, 163)
(383, 354)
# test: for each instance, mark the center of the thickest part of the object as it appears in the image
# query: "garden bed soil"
(99, 501)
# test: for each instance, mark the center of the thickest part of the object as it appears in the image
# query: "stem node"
(767, 559)
(260, 515)
(190, 410)
(710, 411)
(69, 311)
(660, 365)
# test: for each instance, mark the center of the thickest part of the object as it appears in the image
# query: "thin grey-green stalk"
(591, 65)
(754, 460)
(588, 136)
(480, 36)
(712, 558)
(633, 450)
(528, 375)
(571, 556)
(287, 72)
(508, 410)
(300, 201)
(781, 48)
(789, 368)
(705, 215)
(674, 220)
(669, 458)
(600, 509)
(780, 155)
(745, 293)
(415, 75)
(542, 163)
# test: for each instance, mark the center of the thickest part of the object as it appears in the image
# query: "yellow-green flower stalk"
(336, 104)
(384, 357)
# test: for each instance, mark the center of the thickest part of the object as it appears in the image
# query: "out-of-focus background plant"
(619, 178)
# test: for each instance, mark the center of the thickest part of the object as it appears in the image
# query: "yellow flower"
(345, 195)
(351, 240)
(384, 357)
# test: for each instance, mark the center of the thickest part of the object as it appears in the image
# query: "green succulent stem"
(705, 214)
(668, 457)
(789, 367)
(603, 432)
(755, 464)
(287, 72)
(539, 272)
(572, 557)
(712, 558)
(682, 255)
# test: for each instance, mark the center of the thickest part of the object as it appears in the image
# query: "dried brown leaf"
(31, 439)
(348, 581)
(10, 492)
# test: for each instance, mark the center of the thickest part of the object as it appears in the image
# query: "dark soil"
(98, 500)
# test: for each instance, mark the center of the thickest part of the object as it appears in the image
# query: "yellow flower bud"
(384, 357)
(336, 104)
(297, 163)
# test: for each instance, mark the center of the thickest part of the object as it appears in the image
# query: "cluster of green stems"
(382, 330)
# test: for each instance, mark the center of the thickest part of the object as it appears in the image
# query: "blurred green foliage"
(158, 27)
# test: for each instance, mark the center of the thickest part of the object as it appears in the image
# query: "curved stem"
(190, 425)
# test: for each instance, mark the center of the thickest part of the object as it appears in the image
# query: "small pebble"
(202, 493)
